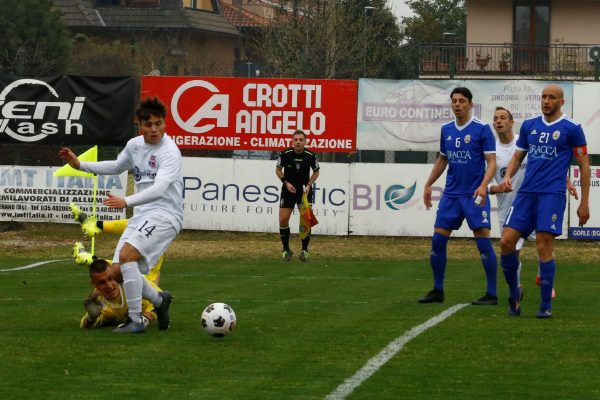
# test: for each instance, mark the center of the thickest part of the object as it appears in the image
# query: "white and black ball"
(218, 319)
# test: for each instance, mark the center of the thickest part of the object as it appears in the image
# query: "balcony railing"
(509, 58)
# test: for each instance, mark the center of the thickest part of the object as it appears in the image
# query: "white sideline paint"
(386, 354)
(37, 264)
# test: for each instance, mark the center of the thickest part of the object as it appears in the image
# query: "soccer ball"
(218, 319)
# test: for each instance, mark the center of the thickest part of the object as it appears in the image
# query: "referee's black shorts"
(290, 200)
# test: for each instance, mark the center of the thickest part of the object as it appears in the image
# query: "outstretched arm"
(69, 157)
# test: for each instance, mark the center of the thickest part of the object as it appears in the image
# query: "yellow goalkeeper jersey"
(116, 226)
(155, 271)
(115, 312)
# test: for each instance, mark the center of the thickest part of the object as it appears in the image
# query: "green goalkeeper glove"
(81, 256)
(93, 307)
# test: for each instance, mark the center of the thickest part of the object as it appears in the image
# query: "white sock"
(150, 293)
(132, 284)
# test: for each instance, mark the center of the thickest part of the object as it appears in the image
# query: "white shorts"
(151, 237)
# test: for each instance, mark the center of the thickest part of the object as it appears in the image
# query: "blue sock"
(437, 259)
(547, 272)
(490, 263)
(510, 267)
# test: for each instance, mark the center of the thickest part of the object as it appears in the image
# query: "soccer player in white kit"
(505, 147)
(157, 218)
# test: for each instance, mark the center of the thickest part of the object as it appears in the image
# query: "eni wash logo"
(26, 119)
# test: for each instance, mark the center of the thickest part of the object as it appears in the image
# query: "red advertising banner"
(257, 114)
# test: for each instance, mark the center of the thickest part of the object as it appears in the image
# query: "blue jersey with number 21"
(465, 148)
(549, 151)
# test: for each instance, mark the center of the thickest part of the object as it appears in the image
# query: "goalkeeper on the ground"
(107, 305)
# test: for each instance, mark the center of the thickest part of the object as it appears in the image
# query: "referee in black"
(293, 168)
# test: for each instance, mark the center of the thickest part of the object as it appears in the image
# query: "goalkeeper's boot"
(287, 255)
(162, 311)
(434, 296)
(88, 223)
(81, 256)
(89, 227)
(130, 327)
(304, 256)
(78, 215)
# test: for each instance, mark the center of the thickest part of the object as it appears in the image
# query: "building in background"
(167, 37)
(530, 39)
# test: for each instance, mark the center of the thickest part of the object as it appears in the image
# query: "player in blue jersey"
(549, 141)
(467, 148)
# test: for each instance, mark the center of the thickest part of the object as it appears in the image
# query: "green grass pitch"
(302, 330)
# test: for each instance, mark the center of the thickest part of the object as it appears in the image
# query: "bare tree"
(329, 39)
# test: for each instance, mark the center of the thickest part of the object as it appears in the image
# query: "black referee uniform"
(296, 170)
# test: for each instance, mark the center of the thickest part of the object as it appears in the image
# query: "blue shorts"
(453, 210)
(539, 212)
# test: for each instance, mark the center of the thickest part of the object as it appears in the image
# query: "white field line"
(34, 265)
(386, 354)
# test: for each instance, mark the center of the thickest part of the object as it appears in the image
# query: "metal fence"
(507, 58)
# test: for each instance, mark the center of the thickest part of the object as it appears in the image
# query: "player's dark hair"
(150, 106)
(99, 265)
(510, 117)
(299, 132)
(464, 91)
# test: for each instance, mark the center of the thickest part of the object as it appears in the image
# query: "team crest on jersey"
(484, 215)
(467, 138)
(152, 161)
(555, 135)
(534, 132)
(298, 166)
